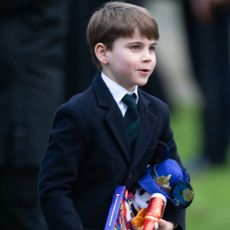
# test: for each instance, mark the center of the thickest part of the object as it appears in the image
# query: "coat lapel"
(148, 125)
(116, 125)
(113, 116)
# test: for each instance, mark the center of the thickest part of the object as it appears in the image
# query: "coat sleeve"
(59, 170)
(175, 215)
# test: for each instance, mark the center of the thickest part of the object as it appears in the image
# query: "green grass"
(186, 125)
(210, 209)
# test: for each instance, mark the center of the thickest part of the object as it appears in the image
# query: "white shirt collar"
(117, 91)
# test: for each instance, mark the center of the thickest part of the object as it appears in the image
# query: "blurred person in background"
(207, 24)
(31, 86)
(79, 67)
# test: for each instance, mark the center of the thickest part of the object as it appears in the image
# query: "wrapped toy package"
(120, 213)
(164, 182)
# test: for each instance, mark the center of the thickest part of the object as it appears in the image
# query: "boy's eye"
(152, 48)
(135, 47)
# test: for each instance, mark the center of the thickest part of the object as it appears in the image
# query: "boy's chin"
(142, 83)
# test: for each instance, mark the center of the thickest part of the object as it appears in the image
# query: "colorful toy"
(167, 178)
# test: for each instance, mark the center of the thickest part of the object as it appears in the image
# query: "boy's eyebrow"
(154, 43)
(140, 42)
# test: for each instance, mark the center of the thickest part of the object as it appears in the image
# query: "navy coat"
(88, 155)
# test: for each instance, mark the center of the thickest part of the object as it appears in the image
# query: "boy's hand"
(166, 225)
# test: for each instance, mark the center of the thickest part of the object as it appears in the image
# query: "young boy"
(90, 151)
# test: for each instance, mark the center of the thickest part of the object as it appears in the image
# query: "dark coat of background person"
(209, 46)
(31, 86)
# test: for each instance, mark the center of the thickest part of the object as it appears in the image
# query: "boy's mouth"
(144, 71)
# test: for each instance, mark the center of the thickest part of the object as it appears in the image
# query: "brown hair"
(119, 19)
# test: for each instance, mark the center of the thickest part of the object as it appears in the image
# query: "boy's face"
(131, 61)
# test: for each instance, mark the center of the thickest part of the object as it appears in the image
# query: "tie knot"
(130, 101)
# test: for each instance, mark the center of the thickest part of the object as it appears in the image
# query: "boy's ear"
(101, 53)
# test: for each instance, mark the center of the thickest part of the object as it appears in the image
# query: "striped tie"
(132, 119)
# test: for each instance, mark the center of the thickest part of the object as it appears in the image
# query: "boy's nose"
(146, 56)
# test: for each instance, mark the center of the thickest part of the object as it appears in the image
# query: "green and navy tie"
(132, 119)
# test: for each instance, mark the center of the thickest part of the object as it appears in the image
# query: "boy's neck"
(109, 79)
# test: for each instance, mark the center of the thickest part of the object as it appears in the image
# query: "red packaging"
(155, 211)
